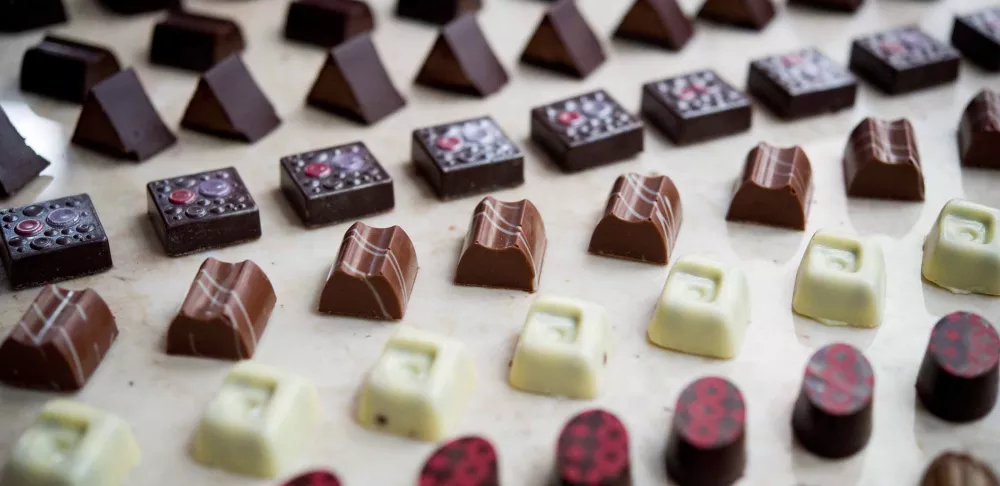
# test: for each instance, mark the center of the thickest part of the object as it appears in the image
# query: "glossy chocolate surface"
(353, 83)
(586, 131)
(748, 14)
(956, 469)
(202, 211)
(129, 7)
(564, 42)
(314, 478)
(336, 184)
(225, 312)
(467, 157)
(504, 248)
(467, 460)
(462, 61)
(708, 435)
(19, 163)
(22, 15)
(775, 188)
(593, 449)
(641, 221)
(903, 60)
(194, 42)
(228, 103)
(373, 276)
(881, 161)
(977, 36)
(65, 69)
(695, 107)
(801, 83)
(659, 23)
(832, 5)
(436, 11)
(979, 131)
(59, 341)
(327, 23)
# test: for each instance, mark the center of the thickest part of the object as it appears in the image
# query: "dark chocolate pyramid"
(129, 7)
(463, 61)
(353, 83)
(22, 15)
(564, 42)
(118, 119)
(229, 104)
(656, 22)
(750, 14)
(19, 164)
(438, 12)
(836, 5)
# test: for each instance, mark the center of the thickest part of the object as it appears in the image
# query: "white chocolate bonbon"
(962, 251)
(841, 280)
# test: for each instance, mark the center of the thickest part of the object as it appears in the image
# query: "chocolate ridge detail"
(353, 83)
(641, 221)
(881, 161)
(462, 61)
(19, 163)
(952, 468)
(465, 461)
(228, 103)
(774, 189)
(748, 14)
(593, 449)
(979, 131)
(373, 276)
(659, 23)
(564, 42)
(505, 246)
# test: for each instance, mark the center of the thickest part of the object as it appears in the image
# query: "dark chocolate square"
(55, 240)
(977, 35)
(202, 211)
(336, 184)
(696, 106)
(801, 83)
(586, 131)
(467, 157)
(903, 60)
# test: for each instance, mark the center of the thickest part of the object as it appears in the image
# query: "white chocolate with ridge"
(71, 444)
(259, 423)
(704, 309)
(563, 348)
(418, 387)
(841, 280)
(962, 251)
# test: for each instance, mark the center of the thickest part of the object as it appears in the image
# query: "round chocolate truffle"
(960, 374)
(953, 469)
(466, 461)
(708, 435)
(314, 478)
(833, 414)
(593, 450)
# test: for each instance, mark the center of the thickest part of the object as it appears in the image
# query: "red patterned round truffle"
(708, 434)
(960, 375)
(317, 170)
(181, 197)
(593, 450)
(965, 345)
(314, 478)
(29, 227)
(466, 461)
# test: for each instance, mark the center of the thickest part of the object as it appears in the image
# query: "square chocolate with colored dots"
(801, 83)
(903, 60)
(977, 35)
(695, 107)
(198, 212)
(336, 184)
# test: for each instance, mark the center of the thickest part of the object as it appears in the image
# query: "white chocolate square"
(841, 280)
(962, 252)
(259, 423)
(563, 348)
(704, 309)
(72, 445)
(418, 387)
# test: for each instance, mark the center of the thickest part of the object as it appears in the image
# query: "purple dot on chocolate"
(63, 217)
(182, 197)
(349, 162)
(32, 211)
(29, 227)
(215, 188)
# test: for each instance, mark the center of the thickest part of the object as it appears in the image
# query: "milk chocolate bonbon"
(465, 461)
(462, 61)
(593, 448)
(228, 103)
(353, 83)
(564, 42)
(19, 164)
(66, 69)
(659, 23)
(504, 248)
(881, 161)
(775, 188)
(641, 220)
(327, 23)
(707, 444)
(979, 131)
(195, 42)
(960, 374)
(956, 469)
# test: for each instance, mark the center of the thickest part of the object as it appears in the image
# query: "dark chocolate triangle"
(836, 5)
(656, 22)
(118, 119)
(750, 14)
(463, 61)
(19, 164)
(22, 15)
(564, 42)
(229, 104)
(130, 7)
(353, 83)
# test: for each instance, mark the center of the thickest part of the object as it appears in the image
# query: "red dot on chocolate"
(593, 449)
(960, 374)
(317, 170)
(448, 143)
(314, 478)
(466, 461)
(182, 196)
(568, 118)
(28, 227)
(708, 434)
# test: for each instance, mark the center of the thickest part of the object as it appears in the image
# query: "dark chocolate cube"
(65, 69)
(586, 131)
(54, 240)
(903, 60)
(327, 23)
(801, 83)
(977, 35)
(336, 184)
(436, 11)
(696, 107)
(132, 7)
(22, 15)
(194, 42)
(202, 211)
(467, 157)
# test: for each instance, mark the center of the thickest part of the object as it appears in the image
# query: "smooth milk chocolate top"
(979, 131)
(462, 61)
(881, 161)
(564, 42)
(774, 189)
(505, 246)
(956, 469)
(467, 461)
(641, 220)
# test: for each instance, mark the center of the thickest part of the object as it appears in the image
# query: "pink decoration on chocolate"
(448, 143)
(711, 413)
(182, 196)
(29, 227)
(965, 344)
(568, 118)
(317, 170)
(314, 478)
(467, 461)
(593, 450)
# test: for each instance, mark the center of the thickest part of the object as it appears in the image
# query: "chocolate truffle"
(708, 435)
(194, 42)
(229, 104)
(979, 131)
(353, 83)
(954, 469)
(504, 248)
(225, 312)
(336, 184)
(19, 164)
(881, 161)
(659, 23)
(465, 461)
(586, 131)
(119, 120)
(832, 5)
(775, 188)
(593, 449)
(65, 69)
(563, 42)
(748, 14)
(960, 374)
(59, 341)
(129, 7)
(695, 107)
(641, 220)
(327, 23)
(373, 276)
(977, 36)
(833, 414)
(801, 83)
(467, 157)
(53, 240)
(436, 11)
(462, 61)
(22, 15)
(314, 478)
(903, 60)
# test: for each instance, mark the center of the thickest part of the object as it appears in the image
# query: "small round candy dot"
(51, 232)
(182, 196)
(32, 211)
(448, 143)
(85, 228)
(41, 243)
(10, 218)
(15, 241)
(217, 210)
(72, 204)
(63, 217)
(215, 188)
(29, 227)
(62, 240)
(66, 231)
(195, 211)
(568, 118)
(317, 170)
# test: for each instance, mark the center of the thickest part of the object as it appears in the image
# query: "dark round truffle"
(708, 435)
(466, 461)
(593, 450)
(314, 478)
(953, 469)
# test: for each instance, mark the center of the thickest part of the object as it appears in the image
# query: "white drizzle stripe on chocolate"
(364, 278)
(878, 140)
(226, 308)
(49, 321)
(77, 365)
(637, 184)
(379, 252)
(517, 231)
(769, 163)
